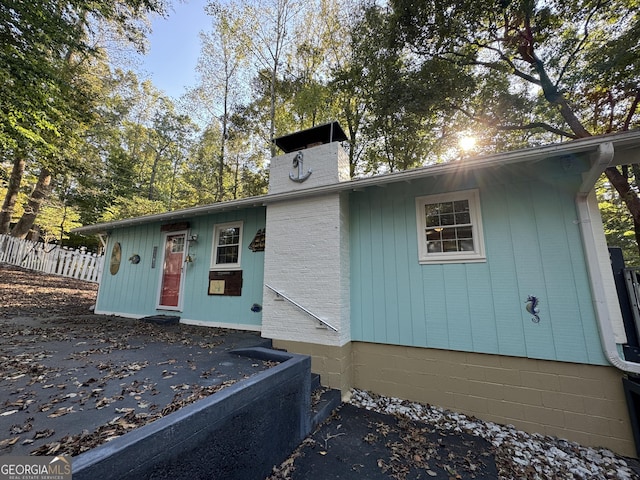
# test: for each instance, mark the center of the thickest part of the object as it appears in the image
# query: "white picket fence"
(52, 259)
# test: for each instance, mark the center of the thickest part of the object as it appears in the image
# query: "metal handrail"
(305, 310)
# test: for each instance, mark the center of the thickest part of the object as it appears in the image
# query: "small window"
(227, 241)
(177, 244)
(450, 228)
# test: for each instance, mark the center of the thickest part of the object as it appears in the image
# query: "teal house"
(164, 266)
(483, 285)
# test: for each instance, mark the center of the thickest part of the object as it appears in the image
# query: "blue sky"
(174, 47)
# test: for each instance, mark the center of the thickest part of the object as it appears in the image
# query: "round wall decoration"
(116, 256)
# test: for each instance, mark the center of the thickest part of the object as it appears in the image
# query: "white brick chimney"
(307, 246)
(324, 164)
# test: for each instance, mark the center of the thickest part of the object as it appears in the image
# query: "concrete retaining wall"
(238, 433)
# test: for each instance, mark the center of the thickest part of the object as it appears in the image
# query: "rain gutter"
(599, 268)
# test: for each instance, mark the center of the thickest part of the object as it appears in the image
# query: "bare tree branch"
(542, 125)
(493, 65)
(632, 111)
(579, 45)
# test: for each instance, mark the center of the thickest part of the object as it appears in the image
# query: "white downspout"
(595, 268)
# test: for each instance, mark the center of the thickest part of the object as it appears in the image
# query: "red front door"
(172, 270)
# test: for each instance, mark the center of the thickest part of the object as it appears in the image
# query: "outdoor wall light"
(135, 259)
(193, 238)
(190, 259)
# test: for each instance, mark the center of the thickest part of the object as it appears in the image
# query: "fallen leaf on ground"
(43, 434)
(8, 442)
(60, 412)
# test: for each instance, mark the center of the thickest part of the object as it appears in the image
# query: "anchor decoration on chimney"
(297, 163)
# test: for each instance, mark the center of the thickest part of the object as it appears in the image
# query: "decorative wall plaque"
(226, 282)
(258, 242)
(216, 287)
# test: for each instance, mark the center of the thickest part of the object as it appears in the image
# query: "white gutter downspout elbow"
(603, 159)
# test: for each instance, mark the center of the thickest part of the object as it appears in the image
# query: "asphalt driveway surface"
(357, 443)
(70, 380)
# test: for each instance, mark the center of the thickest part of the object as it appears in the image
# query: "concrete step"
(315, 382)
(324, 401)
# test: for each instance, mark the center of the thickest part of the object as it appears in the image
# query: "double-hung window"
(227, 243)
(450, 228)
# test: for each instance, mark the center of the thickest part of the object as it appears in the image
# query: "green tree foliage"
(270, 41)
(344, 75)
(134, 206)
(56, 220)
(38, 38)
(221, 68)
(46, 96)
(401, 108)
(109, 168)
(618, 223)
(406, 80)
(139, 152)
(544, 70)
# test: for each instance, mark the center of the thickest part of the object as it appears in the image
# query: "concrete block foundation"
(578, 402)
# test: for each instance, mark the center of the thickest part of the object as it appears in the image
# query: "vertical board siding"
(484, 335)
(566, 323)
(526, 240)
(356, 239)
(533, 247)
(416, 302)
(584, 302)
(394, 280)
(502, 279)
(376, 255)
(457, 305)
(134, 289)
(436, 313)
(403, 261)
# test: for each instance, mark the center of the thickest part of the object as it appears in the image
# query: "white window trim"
(477, 255)
(214, 251)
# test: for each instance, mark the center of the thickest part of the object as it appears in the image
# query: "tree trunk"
(39, 194)
(272, 108)
(152, 180)
(12, 194)
(553, 95)
(619, 181)
(223, 141)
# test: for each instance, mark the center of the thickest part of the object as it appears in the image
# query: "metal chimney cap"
(311, 137)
